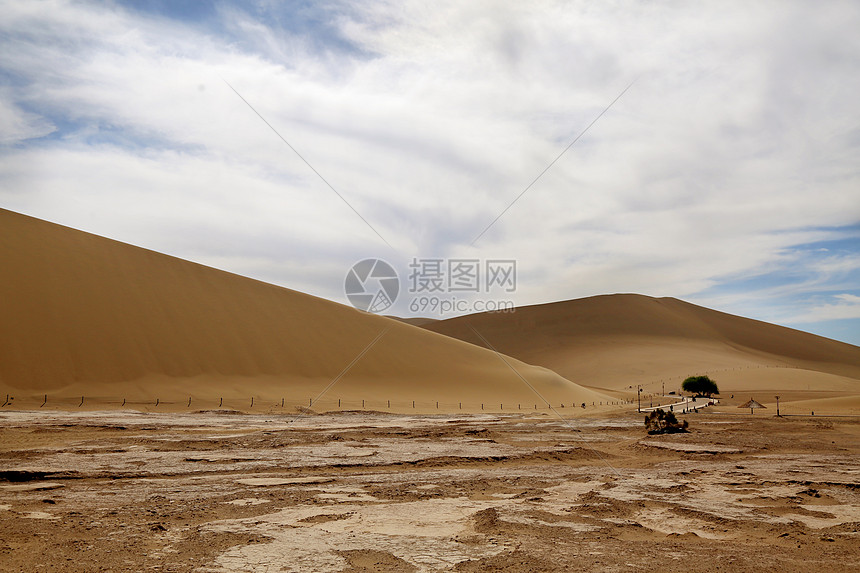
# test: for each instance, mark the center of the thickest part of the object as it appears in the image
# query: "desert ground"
(217, 491)
(160, 415)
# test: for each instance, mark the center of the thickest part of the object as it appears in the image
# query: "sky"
(707, 151)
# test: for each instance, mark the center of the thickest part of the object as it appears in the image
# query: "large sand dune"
(619, 341)
(86, 316)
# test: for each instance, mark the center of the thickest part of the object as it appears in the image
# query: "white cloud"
(738, 140)
(844, 306)
(17, 125)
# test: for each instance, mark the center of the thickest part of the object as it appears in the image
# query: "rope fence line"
(196, 403)
(259, 403)
(285, 406)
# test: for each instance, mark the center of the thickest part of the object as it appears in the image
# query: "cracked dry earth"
(216, 492)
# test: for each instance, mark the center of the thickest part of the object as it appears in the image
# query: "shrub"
(661, 422)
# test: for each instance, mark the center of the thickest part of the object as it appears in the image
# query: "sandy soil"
(219, 491)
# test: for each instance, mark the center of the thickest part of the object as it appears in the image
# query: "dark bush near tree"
(700, 385)
(660, 422)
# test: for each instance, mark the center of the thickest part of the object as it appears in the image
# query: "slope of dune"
(619, 341)
(415, 320)
(82, 315)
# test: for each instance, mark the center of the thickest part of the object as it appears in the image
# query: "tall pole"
(639, 397)
(777, 406)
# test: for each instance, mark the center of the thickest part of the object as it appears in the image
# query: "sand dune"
(847, 405)
(82, 315)
(618, 341)
(415, 320)
(85, 316)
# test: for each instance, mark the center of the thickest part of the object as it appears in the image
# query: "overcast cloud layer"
(727, 175)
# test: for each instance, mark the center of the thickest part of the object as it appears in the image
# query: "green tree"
(700, 385)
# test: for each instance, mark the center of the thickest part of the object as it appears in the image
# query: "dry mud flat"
(216, 492)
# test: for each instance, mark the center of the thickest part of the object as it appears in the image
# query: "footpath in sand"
(220, 491)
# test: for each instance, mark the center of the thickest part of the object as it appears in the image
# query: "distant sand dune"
(849, 405)
(619, 341)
